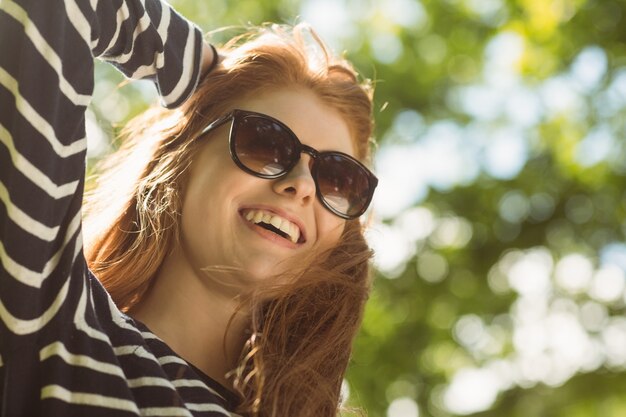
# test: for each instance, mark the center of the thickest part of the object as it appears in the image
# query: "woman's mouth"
(274, 223)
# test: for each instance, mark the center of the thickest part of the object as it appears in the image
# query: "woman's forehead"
(314, 122)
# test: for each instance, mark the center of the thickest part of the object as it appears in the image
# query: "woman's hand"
(209, 58)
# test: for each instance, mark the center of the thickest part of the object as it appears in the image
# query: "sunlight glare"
(403, 407)
(573, 273)
(471, 390)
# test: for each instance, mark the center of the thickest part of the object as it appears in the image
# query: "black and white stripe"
(65, 349)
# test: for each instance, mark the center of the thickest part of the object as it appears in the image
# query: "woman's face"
(221, 201)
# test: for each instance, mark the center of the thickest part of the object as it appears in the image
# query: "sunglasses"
(266, 148)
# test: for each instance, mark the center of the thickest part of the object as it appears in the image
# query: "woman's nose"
(298, 183)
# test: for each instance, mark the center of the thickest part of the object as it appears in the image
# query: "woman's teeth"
(280, 223)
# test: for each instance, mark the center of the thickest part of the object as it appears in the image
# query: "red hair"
(302, 331)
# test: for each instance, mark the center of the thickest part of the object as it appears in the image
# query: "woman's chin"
(265, 273)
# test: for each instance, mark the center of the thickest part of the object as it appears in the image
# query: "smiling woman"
(224, 269)
(229, 226)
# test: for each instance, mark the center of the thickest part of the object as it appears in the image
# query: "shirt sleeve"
(46, 82)
(150, 41)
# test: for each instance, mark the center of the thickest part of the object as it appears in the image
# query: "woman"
(231, 248)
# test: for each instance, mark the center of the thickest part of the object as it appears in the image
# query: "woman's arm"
(46, 82)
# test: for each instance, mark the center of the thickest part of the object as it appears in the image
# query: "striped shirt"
(65, 348)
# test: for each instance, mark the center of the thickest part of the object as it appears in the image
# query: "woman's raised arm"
(46, 82)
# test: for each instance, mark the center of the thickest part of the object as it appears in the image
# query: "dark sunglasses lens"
(264, 146)
(344, 185)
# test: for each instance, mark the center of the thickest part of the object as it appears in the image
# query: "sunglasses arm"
(215, 124)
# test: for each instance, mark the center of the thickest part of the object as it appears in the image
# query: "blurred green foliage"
(508, 272)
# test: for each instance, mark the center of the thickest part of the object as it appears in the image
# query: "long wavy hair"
(301, 331)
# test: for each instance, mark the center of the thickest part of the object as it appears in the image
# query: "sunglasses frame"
(237, 115)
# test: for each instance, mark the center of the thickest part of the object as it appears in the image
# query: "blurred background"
(499, 219)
